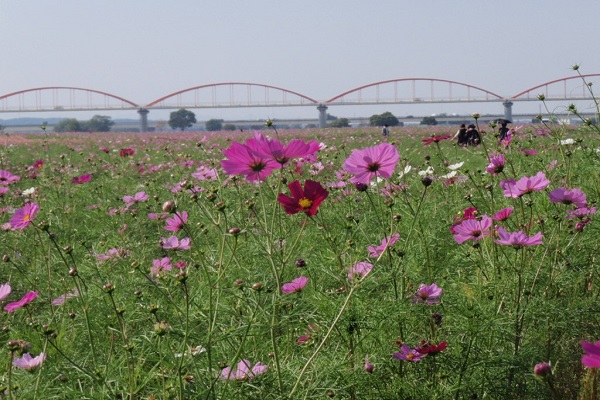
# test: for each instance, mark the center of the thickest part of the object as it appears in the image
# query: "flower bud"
(542, 370)
(300, 263)
(169, 206)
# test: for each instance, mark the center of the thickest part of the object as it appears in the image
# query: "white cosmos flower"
(456, 166)
(449, 175)
(427, 172)
(406, 171)
(29, 192)
(567, 141)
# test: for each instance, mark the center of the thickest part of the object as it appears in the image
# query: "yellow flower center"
(305, 203)
(26, 217)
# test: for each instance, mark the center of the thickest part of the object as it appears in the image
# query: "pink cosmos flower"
(242, 160)
(78, 180)
(28, 298)
(591, 358)
(139, 197)
(360, 270)
(3, 190)
(473, 229)
(517, 239)
(372, 162)
(496, 164)
(244, 371)
(528, 152)
(376, 251)
(581, 212)
(23, 217)
(60, 300)
(428, 294)
(408, 354)
(4, 291)
(275, 150)
(503, 214)
(205, 174)
(524, 185)
(176, 223)
(38, 164)
(29, 363)
(468, 213)
(435, 139)
(158, 216)
(562, 195)
(172, 243)
(160, 265)
(296, 285)
(307, 200)
(6, 178)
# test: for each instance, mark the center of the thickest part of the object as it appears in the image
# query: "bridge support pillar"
(322, 115)
(143, 119)
(507, 109)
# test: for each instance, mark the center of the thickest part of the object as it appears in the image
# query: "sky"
(145, 49)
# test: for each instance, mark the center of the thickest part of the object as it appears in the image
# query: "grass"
(133, 334)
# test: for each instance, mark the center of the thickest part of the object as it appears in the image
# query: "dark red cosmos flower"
(126, 152)
(428, 348)
(435, 139)
(307, 200)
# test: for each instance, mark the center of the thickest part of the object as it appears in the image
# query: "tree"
(182, 119)
(68, 125)
(428, 121)
(229, 127)
(214, 125)
(387, 118)
(340, 123)
(98, 123)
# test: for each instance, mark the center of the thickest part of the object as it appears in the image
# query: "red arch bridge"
(242, 94)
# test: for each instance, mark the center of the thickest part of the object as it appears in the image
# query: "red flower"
(435, 139)
(428, 348)
(307, 200)
(126, 152)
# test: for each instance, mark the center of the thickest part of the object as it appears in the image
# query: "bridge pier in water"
(507, 109)
(322, 115)
(143, 119)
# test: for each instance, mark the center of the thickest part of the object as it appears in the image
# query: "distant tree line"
(98, 123)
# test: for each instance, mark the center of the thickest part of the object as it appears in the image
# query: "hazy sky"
(144, 49)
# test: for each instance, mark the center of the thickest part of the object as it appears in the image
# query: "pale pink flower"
(160, 265)
(565, 196)
(524, 185)
(243, 371)
(388, 241)
(29, 363)
(139, 197)
(172, 243)
(372, 162)
(473, 229)
(4, 291)
(360, 269)
(6, 178)
(60, 300)
(408, 354)
(428, 294)
(176, 223)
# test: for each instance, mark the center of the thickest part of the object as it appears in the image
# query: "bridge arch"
(68, 98)
(427, 95)
(529, 94)
(241, 94)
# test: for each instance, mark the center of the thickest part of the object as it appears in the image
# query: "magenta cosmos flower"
(277, 151)
(296, 285)
(524, 185)
(126, 152)
(517, 239)
(408, 354)
(372, 162)
(172, 243)
(176, 223)
(29, 363)
(428, 294)
(473, 229)
(359, 270)
(307, 200)
(78, 180)
(7, 177)
(4, 291)
(503, 214)
(376, 251)
(496, 164)
(243, 371)
(562, 195)
(243, 160)
(23, 217)
(591, 358)
(28, 298)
